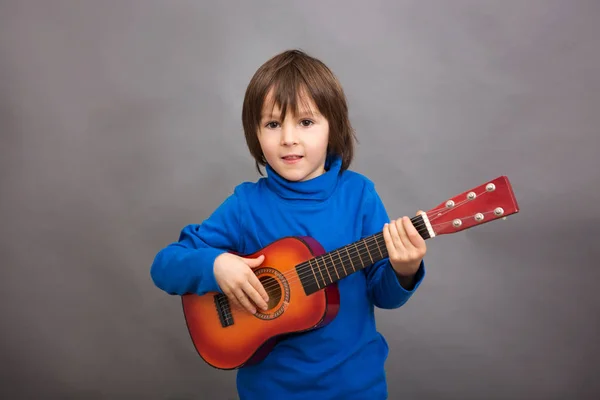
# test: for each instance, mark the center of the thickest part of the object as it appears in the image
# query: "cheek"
(269, 149)
(323, 142)
(266, 143)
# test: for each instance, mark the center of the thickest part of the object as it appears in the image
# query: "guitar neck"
(321, 271)
(487, 202)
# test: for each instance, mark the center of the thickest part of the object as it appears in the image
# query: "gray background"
(120, 123)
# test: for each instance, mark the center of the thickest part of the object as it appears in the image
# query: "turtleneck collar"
(316, 189)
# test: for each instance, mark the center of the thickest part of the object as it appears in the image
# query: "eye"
(306, 122)
(271, 125)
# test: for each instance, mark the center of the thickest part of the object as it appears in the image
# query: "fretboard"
(321, 271)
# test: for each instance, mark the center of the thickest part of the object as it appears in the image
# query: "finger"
(413, 235)
(389, 244)
(420, 212)
(401, 227)
(254, 262)
(239, 294)
(235, 302)
(396, 236)
(258, 286)
(254, 295)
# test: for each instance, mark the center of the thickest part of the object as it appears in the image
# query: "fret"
(359, 253)
(343, 264)
(309, 280)
(379, 247)
(327, 275)
(350, 258)
(367, 244)
(331, 267)
(314, 274)
(323, 268)
(371, 245)
(419, 224)
(356, 254)
(322, 282)
(334, 266)
(365, 254)
(339, 263)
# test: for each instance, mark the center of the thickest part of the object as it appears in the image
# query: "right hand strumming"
(239, 283)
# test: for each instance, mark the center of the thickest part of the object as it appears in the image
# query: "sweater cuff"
(204, 264)
(419, 275)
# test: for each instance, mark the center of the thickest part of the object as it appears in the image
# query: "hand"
(405, 247)
(239, 283)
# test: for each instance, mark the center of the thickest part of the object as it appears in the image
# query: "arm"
(385, 288)
(187, 266)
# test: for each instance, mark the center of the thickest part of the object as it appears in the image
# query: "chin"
(294, 177)
(295, 173)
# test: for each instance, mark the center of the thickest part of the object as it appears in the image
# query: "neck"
(328, 268)
(312, 190)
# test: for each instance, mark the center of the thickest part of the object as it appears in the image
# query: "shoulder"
(361, 188)
(238, 194)
(357, 182)
(247, 190)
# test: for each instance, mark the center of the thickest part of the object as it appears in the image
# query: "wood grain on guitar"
(301, 278)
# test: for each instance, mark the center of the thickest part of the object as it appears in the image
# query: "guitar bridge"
(223, 310)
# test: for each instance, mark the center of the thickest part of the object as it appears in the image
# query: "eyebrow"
(303, 114)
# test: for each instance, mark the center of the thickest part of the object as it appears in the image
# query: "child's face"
(295, 148)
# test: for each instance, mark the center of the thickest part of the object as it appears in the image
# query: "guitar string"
(356, 256)
(234, 306)
(303, 272)
(321, 271)
(304, 269)
(308, 269)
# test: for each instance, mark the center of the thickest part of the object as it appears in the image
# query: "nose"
(288, 135)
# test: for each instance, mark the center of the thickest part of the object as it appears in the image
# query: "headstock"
(488, 202)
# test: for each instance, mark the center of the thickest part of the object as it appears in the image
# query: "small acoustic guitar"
(301, 280)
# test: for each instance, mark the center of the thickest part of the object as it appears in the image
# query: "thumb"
(420, 212)
(254, 262)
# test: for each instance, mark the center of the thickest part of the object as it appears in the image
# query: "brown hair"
(291, 74)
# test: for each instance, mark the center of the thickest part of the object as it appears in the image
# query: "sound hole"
(273, 290)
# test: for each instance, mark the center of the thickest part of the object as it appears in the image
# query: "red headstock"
(488, 202)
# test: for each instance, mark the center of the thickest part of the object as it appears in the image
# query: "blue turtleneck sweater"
(345, 359)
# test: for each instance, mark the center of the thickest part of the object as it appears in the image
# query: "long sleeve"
(187, 266)
(383, 286)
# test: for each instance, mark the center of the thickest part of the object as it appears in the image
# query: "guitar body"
(229, 337)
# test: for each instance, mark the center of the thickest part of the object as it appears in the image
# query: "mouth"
(291, 158)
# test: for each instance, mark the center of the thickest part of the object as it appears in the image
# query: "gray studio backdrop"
(120, 124)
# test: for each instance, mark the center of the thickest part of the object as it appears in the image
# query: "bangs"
(290, 92)
(292, 99)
